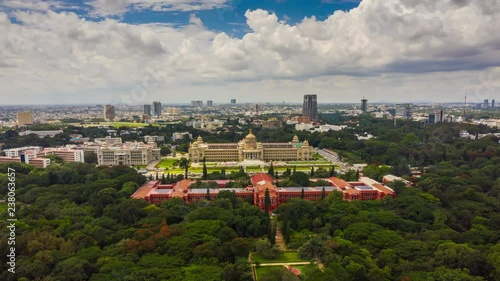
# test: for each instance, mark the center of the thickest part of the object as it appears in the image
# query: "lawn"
(167, 163)
(312, 163)
(285, 257)
(259, 271)
(303, 268)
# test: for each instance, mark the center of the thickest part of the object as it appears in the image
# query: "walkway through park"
(279, 237)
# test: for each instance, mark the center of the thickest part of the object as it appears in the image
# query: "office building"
(432, 119)
(147, 110)
(233, 101)
(486, 104)
(492, 103)
(310, 107)
(157, 109)
(24, 118)
(197, 103)
(440, 116)
(67, 154)
(364, 105)
(109, 112)
(210, 103)
(129, 153)
(250, 149)
(173, 111)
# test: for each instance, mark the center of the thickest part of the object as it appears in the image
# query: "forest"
(77, 221)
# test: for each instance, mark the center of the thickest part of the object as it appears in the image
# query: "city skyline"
(135, 51)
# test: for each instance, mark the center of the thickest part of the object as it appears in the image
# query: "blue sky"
(229, 18)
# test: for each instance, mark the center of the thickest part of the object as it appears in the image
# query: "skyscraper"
(493, 103)
(157, 108)
(440, 116)
(24, 118)
(310, 107)
(109, 112)
(486, 104)
(147, 109)
(233, 101)
(197, 103)
(210, 103)
(364, 105)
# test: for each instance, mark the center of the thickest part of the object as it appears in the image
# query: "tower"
(147, 109)
(157, 108)
(310, 107)
(109, 112)
(364, 105)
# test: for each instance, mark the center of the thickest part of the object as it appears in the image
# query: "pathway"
(279, 237)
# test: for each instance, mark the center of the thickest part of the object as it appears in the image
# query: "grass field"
(166, 163)
(309, 163)
(262, 270)
(285, 257)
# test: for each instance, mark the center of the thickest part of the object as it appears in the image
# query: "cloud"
(381, 42)
(106, 8)
(35, 5)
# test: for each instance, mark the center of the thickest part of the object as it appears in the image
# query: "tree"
(300, 178)
(276, 176)
(302, 194)
(312, 172)
(323, 193)
(90, 157)
(294, 170)
(271, 169)
(163, 180)
(165, 150)
(205, 173)
(332, 171)
(267, 201)
(208, 194)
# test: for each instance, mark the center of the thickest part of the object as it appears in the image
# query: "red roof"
(261, 177)
(339, 182)
(144, 190)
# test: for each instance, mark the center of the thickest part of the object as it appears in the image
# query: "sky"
(175, 51)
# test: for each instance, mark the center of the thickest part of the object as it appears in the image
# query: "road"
(344, 167)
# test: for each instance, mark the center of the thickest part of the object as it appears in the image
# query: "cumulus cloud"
(383, 42)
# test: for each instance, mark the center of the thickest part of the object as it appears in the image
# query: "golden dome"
(199, 139)
(250, 135)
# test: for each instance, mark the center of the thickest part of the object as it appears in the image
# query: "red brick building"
(364, 189)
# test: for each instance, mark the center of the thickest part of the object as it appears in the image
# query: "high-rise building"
(24, 118)
(147, 110)
(440, 116)
(310, 107)
(157, 109)
(486, 104)
(432, 118)
(233, 101)
(197, 103)
(109, 112)
(493, 103)
(210, 103)
(364, 105)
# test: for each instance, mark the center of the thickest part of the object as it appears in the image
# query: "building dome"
(305, 143)
(199, 139)
(295, 139)
(250, 136)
